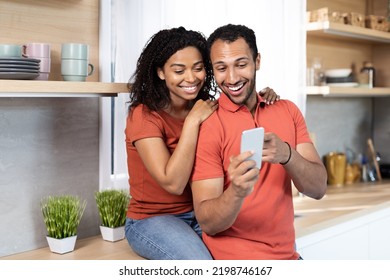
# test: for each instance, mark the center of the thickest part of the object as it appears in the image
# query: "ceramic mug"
(352, 173)
(74, 51)
(335, 167)
(10, 50)
(76, 69)
(39, 51)
(36, 50)
(44, 68)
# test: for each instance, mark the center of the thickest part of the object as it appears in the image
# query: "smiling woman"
(170, 97)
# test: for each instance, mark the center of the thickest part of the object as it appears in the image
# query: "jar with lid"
(367, 75)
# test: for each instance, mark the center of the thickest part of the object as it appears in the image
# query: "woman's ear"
(160, 73)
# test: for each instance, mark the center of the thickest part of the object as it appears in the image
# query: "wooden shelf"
(348, 91)
(34, 88)
(343, 31)
(338, 31)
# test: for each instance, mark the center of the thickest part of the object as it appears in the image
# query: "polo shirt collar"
(227, 104)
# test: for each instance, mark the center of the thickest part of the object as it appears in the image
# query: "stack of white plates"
(19, 68)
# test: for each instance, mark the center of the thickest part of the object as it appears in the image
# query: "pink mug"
(39, 51)
(36, 50)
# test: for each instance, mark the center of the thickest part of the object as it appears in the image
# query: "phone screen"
(252, 140)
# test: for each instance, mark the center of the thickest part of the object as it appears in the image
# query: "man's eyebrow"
(237, 60)
(218, 62)
(242, 58)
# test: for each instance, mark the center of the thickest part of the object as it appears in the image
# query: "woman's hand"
(202, 110)
(269, 95)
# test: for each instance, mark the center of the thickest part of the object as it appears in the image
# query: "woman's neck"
(179, 110)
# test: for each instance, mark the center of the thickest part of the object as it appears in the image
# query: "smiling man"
(244, 212)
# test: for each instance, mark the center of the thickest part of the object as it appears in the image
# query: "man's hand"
(243, 174)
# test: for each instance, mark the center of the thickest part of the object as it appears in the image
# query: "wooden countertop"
(92, 248)
(340, 204)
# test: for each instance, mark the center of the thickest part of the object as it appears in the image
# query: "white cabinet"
(379, 235)
(360, 238)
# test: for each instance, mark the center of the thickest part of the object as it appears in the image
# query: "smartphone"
(252, 140)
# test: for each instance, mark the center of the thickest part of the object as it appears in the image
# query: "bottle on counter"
(364, 172)
(367, 75)
(368, 170)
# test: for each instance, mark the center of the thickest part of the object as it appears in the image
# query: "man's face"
(235, 70)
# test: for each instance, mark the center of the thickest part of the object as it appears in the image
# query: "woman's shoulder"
(142, 111)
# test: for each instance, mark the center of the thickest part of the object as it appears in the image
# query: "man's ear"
(258, 59)
(160, 73)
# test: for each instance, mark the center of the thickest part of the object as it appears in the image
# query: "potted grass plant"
(62, 215)
(112, 205)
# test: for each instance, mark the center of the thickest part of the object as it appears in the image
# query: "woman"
(170, 98)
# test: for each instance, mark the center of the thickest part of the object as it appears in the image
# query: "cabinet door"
(379, 239)
(350, 245)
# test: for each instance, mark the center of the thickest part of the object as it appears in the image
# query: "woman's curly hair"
(148, 88)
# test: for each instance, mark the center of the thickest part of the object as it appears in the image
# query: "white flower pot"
(112, 234)
(62, 246)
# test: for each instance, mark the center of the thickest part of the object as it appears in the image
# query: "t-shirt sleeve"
(302, 134)
(142, 123)
(208, 159)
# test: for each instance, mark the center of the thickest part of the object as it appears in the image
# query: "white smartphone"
(252, 140)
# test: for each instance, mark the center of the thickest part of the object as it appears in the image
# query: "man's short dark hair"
(231, 33)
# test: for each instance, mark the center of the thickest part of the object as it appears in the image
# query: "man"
(246, 213)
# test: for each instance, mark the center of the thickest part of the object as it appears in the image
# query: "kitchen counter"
(350, 222)
(319, 224)
(340, 204)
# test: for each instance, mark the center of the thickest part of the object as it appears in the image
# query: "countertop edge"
(303, 232)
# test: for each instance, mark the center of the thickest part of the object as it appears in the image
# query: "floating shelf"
(348, 91)
(340, 31)
(35, 88)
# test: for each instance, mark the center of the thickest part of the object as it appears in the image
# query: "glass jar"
(367, 75)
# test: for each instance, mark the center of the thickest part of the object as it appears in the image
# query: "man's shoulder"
(284, 104)
(214, 123)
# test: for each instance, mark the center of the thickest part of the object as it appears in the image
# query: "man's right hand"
(243, 174)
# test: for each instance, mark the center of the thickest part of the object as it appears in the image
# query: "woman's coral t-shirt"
(148, 197)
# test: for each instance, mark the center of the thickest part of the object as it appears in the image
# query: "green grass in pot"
(112, 206)
(62, 215)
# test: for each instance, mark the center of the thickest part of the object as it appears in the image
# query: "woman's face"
(184, 74)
